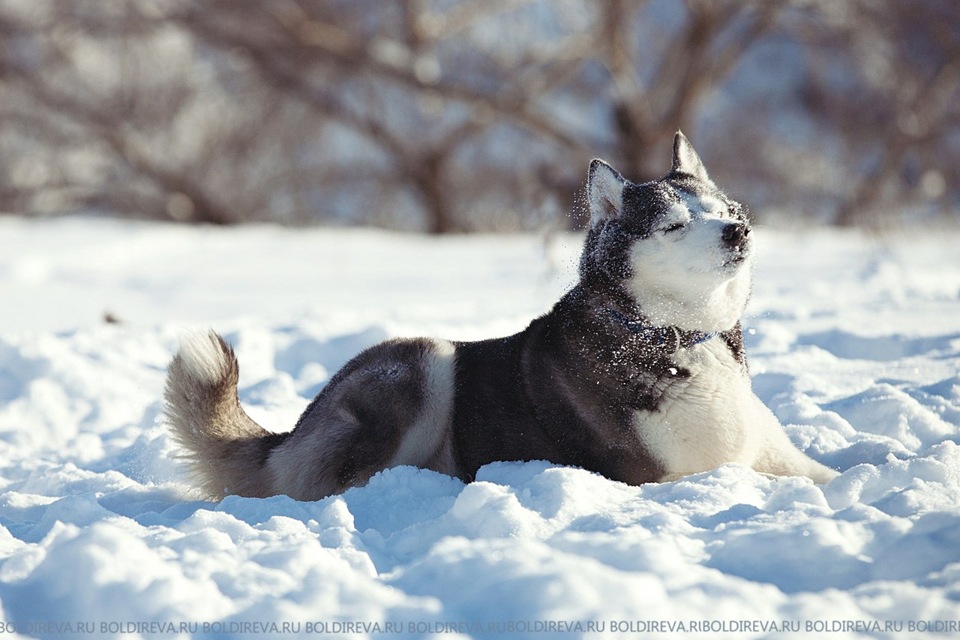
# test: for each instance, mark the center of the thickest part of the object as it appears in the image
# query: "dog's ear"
(686, 160)
(605, 191)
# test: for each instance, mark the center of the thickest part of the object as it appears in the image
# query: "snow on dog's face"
(678, 245)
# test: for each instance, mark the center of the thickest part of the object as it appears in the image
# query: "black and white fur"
(638, 373)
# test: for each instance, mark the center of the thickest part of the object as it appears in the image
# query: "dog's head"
(679, 246)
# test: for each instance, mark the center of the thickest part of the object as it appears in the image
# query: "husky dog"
(638, 373)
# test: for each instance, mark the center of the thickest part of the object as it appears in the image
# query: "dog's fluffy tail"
(225, 449)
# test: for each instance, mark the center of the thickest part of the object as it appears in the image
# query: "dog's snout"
(735, 234)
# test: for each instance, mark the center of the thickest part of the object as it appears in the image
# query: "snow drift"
(853, 342)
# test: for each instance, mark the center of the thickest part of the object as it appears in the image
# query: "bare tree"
(474, 114)
(900, 113)
(124, 118)
(383, 76)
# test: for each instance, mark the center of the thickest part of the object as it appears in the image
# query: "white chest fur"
(707, 419)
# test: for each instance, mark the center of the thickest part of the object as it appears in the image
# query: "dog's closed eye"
(673, 227)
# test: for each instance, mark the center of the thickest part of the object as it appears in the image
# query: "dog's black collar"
(669, 338)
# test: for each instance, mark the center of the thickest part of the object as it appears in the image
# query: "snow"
(853, 342)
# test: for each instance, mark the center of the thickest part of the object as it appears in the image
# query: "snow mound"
(98, 530)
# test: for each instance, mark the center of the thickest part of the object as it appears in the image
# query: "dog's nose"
(735, 233)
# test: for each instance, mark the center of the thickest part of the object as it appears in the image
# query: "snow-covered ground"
(854, 342)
